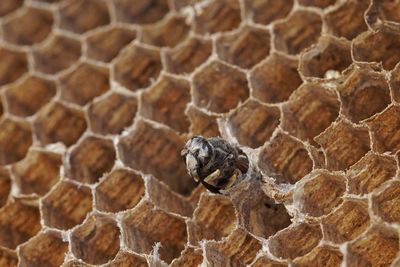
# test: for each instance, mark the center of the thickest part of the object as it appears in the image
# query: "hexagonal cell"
(137, 149)
(347, 222)
(8, 257)
(266, 11)
(219, 87)
(140, 233)
(96, 241)
(384, 128)
(119, 190)
(186, 57)
(244, 48)
(37, 172)
(217, 16)
(275, 79)
(378, 46)
(259, 214)
(168, 32)
(317, 3)
(56, 55)
(66, 205)
(347, 19)
(202, 123)
(285, 159)
(45, 249)
(239, 249)
(8, 6)
(137, 67)
(84, 83)
(395, 83)
(253, 123)
(320, 256)
(370, 172)
(5, 187)
(19, 221)
(300, 30)
(90, 159)
(26, 98)
(30, 27)
(264, 261)
(295, 241)
(344, 144)
(163, 197)
(320, 193)
(110, 115)
(213, 219)
(73, 19)
(166, 101)
(127, 259)
(105, 45)
(143, 12)
(386, 203)
(13, 65)
(328, 54)
(15, 140)
(59, 123)
(311, 109)
(378, 247)
(190, 257)
(364, 93)
(385, 11)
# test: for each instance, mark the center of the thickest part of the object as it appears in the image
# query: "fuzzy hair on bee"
(214, 162)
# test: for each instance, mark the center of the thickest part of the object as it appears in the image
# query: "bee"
(214, 162)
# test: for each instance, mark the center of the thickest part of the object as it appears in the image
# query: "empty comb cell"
(347, 222)
(73, 19)
(378, 246)
(216, 80)
(216, 226)
(224, 252)
(300, 30)
(19, 221)
(294, 241)
(96, 241)
(30, 27)
(119, 190)
(45, 249)
(66, 205)
(347, 19)
(58, 54)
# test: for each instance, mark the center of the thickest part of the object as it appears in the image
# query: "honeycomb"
(99, 96)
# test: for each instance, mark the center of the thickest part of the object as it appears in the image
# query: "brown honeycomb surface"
(98, 97)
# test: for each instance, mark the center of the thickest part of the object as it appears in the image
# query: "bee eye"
(184, 154)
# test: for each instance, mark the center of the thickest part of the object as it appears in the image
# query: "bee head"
(196, 154)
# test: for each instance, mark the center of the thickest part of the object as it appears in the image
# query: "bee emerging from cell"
(215, 163)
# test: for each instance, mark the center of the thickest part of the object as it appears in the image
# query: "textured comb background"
(99, 96)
